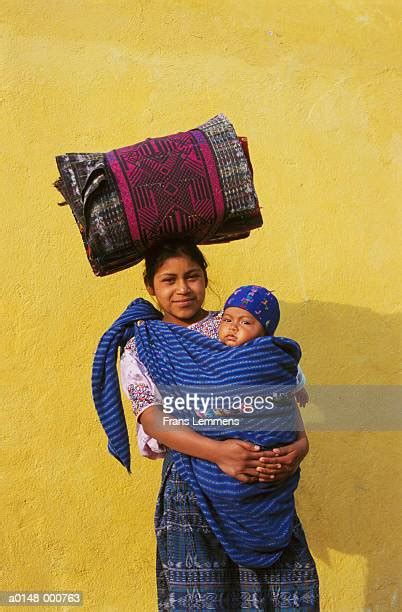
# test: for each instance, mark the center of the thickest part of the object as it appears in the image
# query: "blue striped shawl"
(253, 522)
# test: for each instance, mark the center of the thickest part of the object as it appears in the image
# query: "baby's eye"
(226, 320)
(246, 322)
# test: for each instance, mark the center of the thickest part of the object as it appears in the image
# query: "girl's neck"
(201, 314)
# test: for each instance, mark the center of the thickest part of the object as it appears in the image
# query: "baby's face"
(238, 326)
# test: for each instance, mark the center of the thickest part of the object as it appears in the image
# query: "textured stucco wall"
(316, 87)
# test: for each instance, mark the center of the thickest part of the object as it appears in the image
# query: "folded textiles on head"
(197, 184)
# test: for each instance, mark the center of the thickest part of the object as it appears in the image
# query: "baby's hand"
(302, 397)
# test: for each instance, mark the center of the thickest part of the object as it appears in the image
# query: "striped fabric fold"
(105, 380)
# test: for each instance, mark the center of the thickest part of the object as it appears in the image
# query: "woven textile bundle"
(196, 184)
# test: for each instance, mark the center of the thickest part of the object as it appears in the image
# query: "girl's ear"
(150, 289)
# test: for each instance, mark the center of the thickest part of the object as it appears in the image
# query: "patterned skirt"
(193, 572)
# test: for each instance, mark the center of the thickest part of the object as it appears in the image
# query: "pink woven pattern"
(169, 185)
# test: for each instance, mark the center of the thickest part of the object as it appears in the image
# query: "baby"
(250, 312)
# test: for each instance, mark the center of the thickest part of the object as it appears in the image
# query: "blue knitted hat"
(259, 302)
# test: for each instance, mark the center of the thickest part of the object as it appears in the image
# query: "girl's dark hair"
(156, 255)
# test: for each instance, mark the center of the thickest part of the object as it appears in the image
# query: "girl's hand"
(302, 397)
(280, 463)
(239, 459)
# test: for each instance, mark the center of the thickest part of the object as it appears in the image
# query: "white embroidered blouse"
(141, 390)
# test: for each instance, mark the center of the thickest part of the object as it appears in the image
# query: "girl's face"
(239, 326)
(179, 287)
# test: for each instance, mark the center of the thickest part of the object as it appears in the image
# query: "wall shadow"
(350, 493)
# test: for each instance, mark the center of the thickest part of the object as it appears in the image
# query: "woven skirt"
(193, 572)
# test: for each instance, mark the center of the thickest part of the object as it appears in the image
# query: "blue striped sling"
(253, 522)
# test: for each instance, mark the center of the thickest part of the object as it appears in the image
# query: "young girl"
(193, 570)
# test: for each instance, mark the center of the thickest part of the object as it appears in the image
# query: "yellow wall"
(316, 87)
